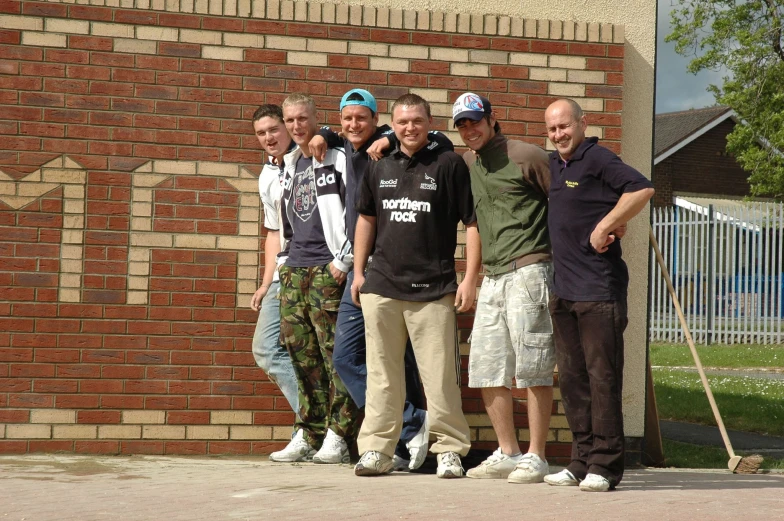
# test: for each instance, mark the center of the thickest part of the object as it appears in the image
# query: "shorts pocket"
(536, 357)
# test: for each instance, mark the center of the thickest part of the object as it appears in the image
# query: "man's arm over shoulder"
(533, 162)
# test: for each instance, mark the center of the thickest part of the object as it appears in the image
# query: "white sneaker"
(400, 464)
(373, 463)
(417, 446)
(594, 483)
(297, 450)
(530, 469)
(562, 479)
(498, 465)
(449, 465)
(333, 450)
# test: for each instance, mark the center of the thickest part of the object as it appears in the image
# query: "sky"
(676, 88)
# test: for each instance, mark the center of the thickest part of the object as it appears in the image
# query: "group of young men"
(359, 296)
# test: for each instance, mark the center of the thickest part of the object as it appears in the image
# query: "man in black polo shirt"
(592, 192)
(410, 204)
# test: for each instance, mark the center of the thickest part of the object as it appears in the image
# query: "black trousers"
(589, 351)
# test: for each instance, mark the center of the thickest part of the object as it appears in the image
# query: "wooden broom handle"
(690, 341)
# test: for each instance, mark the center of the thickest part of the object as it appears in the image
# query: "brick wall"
(129, 215)
(701, 167)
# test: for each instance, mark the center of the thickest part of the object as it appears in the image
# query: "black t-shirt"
(308, 247)
(582, 192)
(417, 203)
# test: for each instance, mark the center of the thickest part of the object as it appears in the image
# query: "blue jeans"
(349, 361)
(269, 352)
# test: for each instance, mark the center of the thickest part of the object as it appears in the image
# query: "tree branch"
(777, 31)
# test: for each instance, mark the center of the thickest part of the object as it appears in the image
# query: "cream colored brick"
(166, 34)
(247, 286)
(136, 297)
(382, 17)
(229, 7)
(73, 221)
(618, 34)
(547, 74)
(249, 214)
(517, 27)
(72, 237)
(216, 7)
(138, 283)
(70, 280)
(568, 30)
(566, 89)
(135, 46)
(450, 22)
(564, 435)
(248, 201)
(34, 190)
(71, 252)
(159, 240)
(581, 31)
(71, 266)
(396, 18)
(249, 186)
(209, 432)
(73, 206)
(329, 46)
(477, 23)
(222, 53)
(141, 224)
(409, 19)
(69, 295)
(559, 422)
(43, 39)
(463, 23)
(433, 95)
(388, 64)
(139, 254)
(281, 433)
(423, 20)
(314, 12)
(142, 195)
(141, 209)
(163, 432)
(53, 175)
(567, 62)
(531, 28)
(440, 109)
(528, 59)
(29, 23)
(543, 29)
(61, 25)
(369, 16)
(270, 9)
(148, 180)
(504, 25)
(606, 33)
(592, 131)
(252, 41)
(590, 104)
(144, 417)
(328, 13)
(449, 55)
(122, 432)
(593, 32)
(251, 433)
(238, 243)
(247, 259)
(247, 272)
(368, 49)
(218, 169)
(249, 229)
(437, 21)
(478, 420)
(73, 192)
(586, 77)
(355, 14)
(312, 59)
(341, 16)
(138, 268)
(83, 432)
(195, 241)
(231, 417)
(288, 43)
(197, 36)
(408, 51)
(469, 69)
(487, 435)
(489, 57)
(491, 24)
(52, 416)
(28, 431)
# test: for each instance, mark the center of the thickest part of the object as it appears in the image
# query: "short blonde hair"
(297, 99)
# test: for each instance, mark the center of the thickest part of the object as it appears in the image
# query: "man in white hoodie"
(312, 279)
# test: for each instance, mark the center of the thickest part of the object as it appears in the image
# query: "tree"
(745, 38)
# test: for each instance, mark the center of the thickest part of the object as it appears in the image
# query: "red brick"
(432, 39)
(615, 51)
(448, 82)
(185, 448)
(122, 402)
(111, 59)
(390, 36)
(429, 67)
(90, 13)
(13, 447)
(191, 358)
(614, 78)
(222, 24)
(549, 47)
(45, 9)
(135, 17)
(90, 43)
(13, 38)
(198, 65)
(185, 50)
(471, 42)
(587, 49)
(349, 33)
(309, 30)
(155, 151)
(58, 386)
(510, 44)
(67, 56)
(166, 402)
(600, 91)
(96, 447)
(12, 52)
(264, 27)
(141, 447)
(348, 62)
(50, 446)
(179, 20)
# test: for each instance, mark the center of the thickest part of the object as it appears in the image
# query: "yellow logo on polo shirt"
(572, 184)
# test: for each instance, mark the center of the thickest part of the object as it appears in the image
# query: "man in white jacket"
(312, 279)
(269, 352)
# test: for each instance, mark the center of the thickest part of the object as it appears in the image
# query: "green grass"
(746, 404)
(736, 356)
(685, 455)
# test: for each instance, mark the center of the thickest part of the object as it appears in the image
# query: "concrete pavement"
(141, 488)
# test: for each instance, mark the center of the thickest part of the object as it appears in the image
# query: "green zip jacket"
(510, 181)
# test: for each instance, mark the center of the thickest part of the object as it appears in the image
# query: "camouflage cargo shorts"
(513, 334)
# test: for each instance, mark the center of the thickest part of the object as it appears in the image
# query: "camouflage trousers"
(309, 301)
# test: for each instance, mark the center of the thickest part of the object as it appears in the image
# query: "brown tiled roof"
(673, 127)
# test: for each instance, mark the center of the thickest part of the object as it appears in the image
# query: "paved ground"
(745, 442)
(85, 488)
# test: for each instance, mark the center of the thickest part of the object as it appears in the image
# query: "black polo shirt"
(583, 191)
(417, 202)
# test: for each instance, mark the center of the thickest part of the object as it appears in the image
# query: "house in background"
(690, 156)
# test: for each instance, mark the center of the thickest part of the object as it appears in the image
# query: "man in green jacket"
(512, 336)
